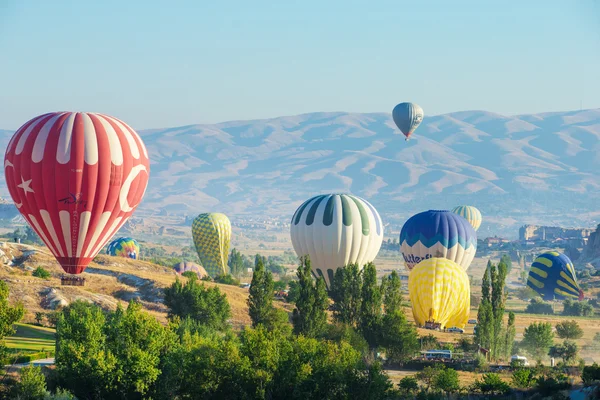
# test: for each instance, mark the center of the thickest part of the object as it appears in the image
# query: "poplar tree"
(310, 318)
(260, 300)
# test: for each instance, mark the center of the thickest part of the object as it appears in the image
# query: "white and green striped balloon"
(470, 213)
(335, 230)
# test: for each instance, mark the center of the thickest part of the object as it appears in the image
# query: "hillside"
(109, 281)
(527, 169)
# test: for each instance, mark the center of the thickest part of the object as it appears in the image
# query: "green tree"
(115, 355)
(447, 381)
(260, 300)
(505, 259)
(370, 310)
(61, 394)
(263, 364)
(577, 308)
(509, 338)
(485, 318)
(523, 378)
(293, 292)
(568, 351)
(539, 306)
(208, 306)
(486, 283)
(191, 275)
(391, 289)
(408, 385)
(236, 263)
(8, 315)
(498, 278)
(346, 293)
(569, 330)
(429, 374)
(485, 315)
(429, 342)
(227, 279)
(52, 318)
(32, 385)
(398, 336)
(310, 317)
(40, 272)
(81, 359)
(136, 340)
(491, 384)
(39, 317)
(537, 339)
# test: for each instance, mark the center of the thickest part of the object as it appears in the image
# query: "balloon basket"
(66, 280)
(433, 325)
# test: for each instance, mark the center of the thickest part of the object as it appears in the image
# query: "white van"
(521, 359)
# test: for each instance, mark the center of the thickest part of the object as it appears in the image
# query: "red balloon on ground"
(76, 178)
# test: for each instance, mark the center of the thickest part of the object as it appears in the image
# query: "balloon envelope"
(335, 230)
(552, 276)
(471, 214)
(76, 178)
(212, 234)
(407, 117)
(440, 292)
(124, 247)
(190, 266)
(436, 233)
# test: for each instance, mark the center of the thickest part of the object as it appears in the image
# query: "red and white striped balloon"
(76, 178)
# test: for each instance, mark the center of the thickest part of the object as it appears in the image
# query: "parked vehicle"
(472, 321)
(437, 354)
(455, 330)
(519, 359)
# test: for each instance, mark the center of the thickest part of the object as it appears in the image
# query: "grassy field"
(30, 338)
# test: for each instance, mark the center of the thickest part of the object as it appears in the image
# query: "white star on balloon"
(26, 186)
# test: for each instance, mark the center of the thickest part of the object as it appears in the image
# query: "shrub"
(491, 384)
(40, 272)
(480, 362)
(61, 394)
(280, 285)
(191, 275)
(590, 374)
(538, 306)
(523, 378)
(408, 384)
(447, 381)
(577, 308)
(227, 280)
(32, 384)
(550, 385)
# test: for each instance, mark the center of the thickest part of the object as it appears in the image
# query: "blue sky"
(160, 64)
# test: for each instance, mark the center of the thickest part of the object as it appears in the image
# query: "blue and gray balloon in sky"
(408, 117)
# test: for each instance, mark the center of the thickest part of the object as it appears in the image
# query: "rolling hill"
(538, 169)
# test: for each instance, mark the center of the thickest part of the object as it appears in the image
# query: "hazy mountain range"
(538, 168)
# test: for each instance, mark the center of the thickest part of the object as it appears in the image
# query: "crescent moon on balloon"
(135, 171)
(7, 163)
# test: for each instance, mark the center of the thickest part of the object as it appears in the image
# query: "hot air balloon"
(76, 178)
(407, 117)
(190, 266)
(471, 214)
(552, 275)
(437, 233)
(124, 247)
(212, 233)
(440, 293)
(335, 230)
